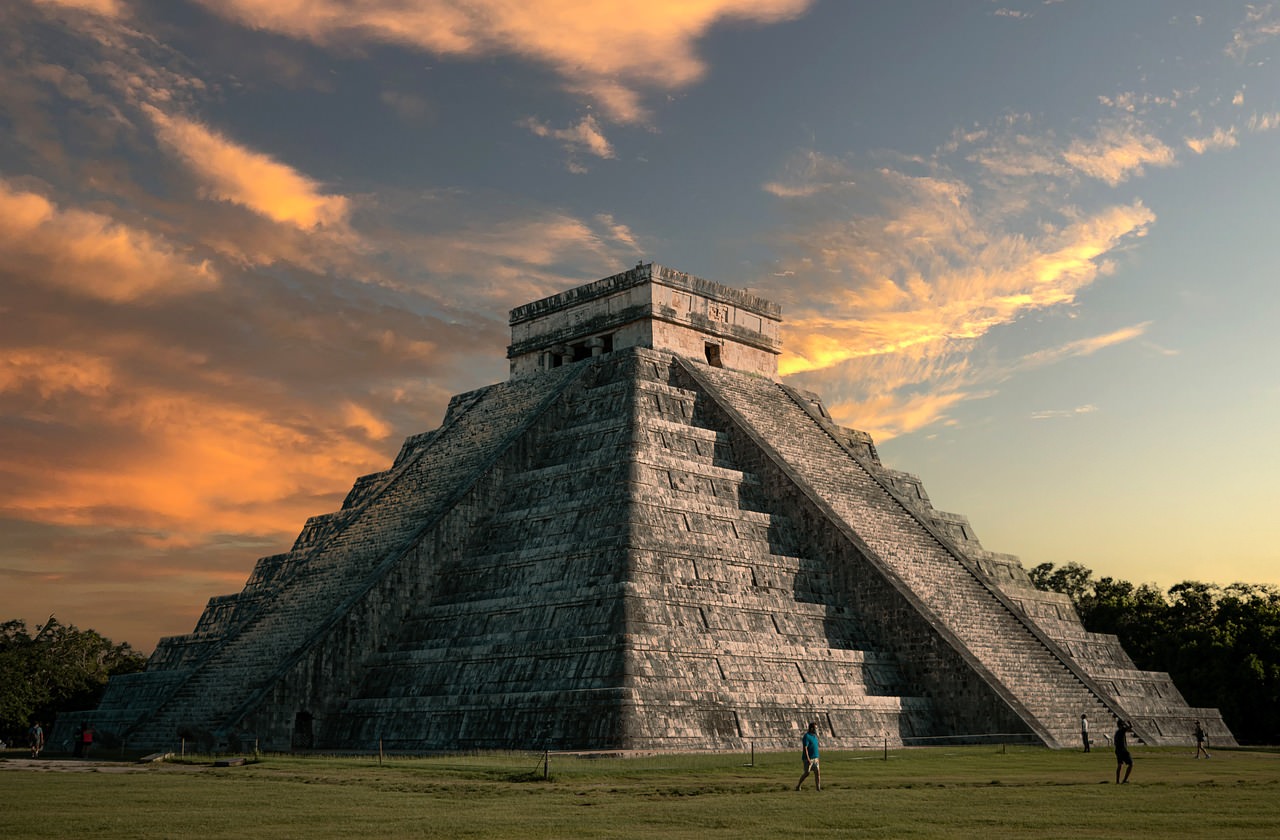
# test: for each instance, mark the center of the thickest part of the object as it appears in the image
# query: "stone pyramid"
(642, 540)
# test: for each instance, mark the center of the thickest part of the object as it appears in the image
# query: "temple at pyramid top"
(649, 306)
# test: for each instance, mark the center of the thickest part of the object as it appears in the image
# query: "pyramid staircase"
(630, 590)
(1018, 660)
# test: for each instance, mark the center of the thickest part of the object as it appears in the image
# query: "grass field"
(933, 792)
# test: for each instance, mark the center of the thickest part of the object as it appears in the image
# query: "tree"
(59, 669)
(1071, 580)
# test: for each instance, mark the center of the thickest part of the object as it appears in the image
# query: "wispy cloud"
(230, 172)
(1118, 152)
(106, 8)
(488, 260)
(1219, 139)
(1261, 24)
(586, 137)
(1082, 347)
(1264, 122)
(410, 107)
(611, 51)
(894, 276)
(808, 173)
(1059, 413)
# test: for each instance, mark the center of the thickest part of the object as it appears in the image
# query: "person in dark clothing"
(1123, 759)
(1084, 732)
(35, 739)
(1201, 738)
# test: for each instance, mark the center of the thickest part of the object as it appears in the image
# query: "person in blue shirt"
(35, 738)
(809, 746)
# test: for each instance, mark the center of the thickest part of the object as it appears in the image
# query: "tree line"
(1221, 644)
(60, 668)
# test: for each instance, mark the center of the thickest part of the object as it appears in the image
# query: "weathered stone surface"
(647, 548)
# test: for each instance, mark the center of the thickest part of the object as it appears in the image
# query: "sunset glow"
(248, 246)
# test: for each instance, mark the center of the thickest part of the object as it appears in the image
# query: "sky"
(248, 246)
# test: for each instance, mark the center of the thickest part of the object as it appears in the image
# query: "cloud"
(808, 173)
(1219, 139)
(1057, 413)
(182, 462)
(1264, 122)
(409, 107)
(1117, 152)
(931, 270)
(586, 137)
(1119, 149)
(609, 51)
(482, 252)
(90, 254)
(888, 416)
(1082, 347)
(233, 173)
(892, 278)
(1260, 25)
(106, 8)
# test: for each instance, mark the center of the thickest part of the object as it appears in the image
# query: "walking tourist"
(35, 739)
(809, 755)
(1201, 740)
(1121, 742)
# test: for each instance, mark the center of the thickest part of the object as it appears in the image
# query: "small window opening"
(580, 351)
(713, 355)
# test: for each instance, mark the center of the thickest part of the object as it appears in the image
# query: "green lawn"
(935, 792)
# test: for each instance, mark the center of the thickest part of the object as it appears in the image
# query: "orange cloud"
(887, 416)
(106, 8)
(52, 373)
(359, 418)
(230, 172)
(1085, 346)
(89, 253)
(1116, 153)
(912, 295)
(885, 302)
(1120, 148)
(606, 50)
(183, 465)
